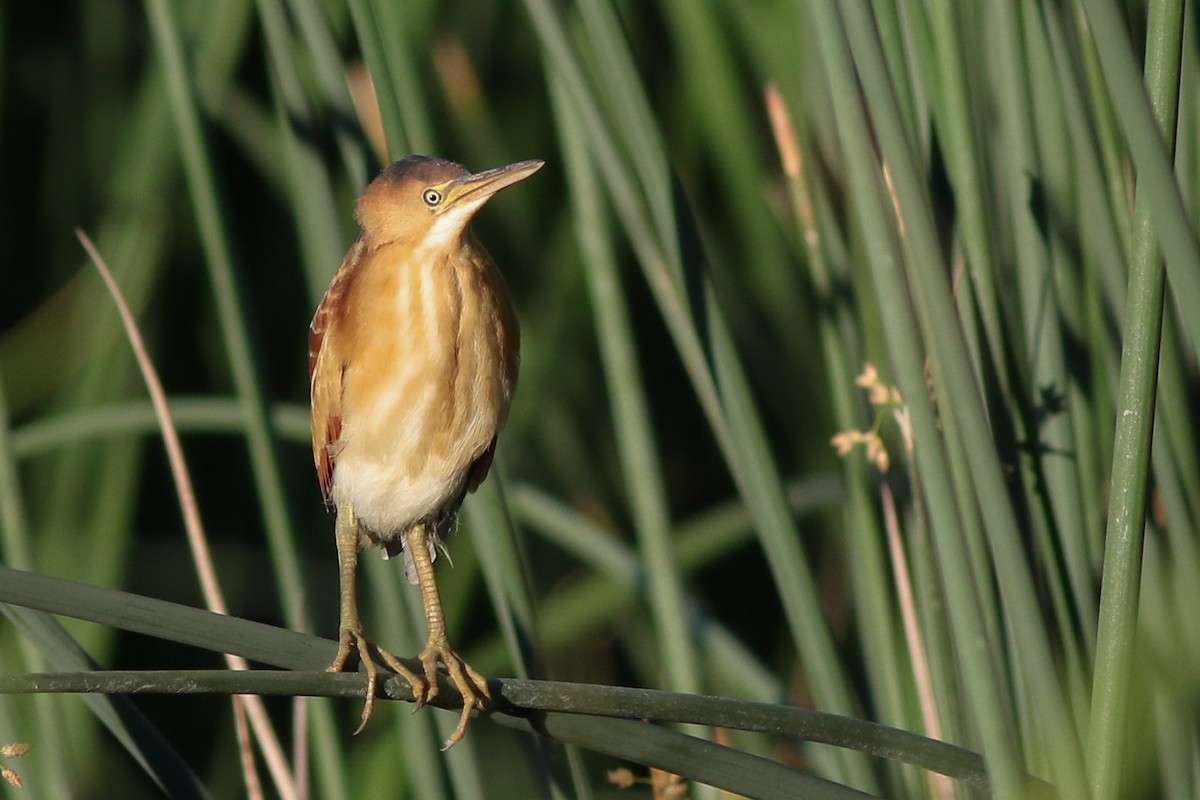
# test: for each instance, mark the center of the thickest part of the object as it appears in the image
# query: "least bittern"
(412, 358)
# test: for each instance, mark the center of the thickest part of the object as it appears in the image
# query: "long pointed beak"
(479, 187)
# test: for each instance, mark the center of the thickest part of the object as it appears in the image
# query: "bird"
(413, 358)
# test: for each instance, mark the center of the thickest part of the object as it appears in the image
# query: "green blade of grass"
(505, 569)
(1111, 693)
(322, 48)
(706, 349)
(953, 376)
(507, 572)
(872, 582)
(977, 654)
(231, 310)
(701, 760)
(296, 651)
(134, 732)
(311, 195)
(147, 746)
(635, 437)
(1169, 216)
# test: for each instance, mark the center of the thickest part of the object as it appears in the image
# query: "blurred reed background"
(946, 193)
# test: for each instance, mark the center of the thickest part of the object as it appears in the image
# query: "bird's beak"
(479, 187)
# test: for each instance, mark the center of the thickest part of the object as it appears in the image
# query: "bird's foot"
(470, 684)
(352, 641)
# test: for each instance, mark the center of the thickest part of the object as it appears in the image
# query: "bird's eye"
(431, 197)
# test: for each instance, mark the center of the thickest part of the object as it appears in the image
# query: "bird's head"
(423, 200)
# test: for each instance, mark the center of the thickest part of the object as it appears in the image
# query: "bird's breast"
(435, 347)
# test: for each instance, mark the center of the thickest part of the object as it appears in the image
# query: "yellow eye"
(431, 197)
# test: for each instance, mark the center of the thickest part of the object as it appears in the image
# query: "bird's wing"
(326, 365)
(478, 470)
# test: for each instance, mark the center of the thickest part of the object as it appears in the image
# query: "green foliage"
(992, 203)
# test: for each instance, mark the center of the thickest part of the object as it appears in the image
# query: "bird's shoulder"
(331, 311)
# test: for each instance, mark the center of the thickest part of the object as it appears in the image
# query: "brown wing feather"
(479, 468)
(326, 365)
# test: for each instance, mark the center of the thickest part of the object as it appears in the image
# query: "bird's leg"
(350, 633)
(470, 684)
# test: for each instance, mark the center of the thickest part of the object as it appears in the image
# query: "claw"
(470, 684)
(423, 690)
(352, 641)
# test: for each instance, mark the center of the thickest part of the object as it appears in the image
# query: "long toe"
(460, 730)
(474, 690)
(470, 684)
(423, 690)
(352, 642)
(429, 658)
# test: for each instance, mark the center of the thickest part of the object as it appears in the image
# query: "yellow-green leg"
(470, 684)
(350, 633)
